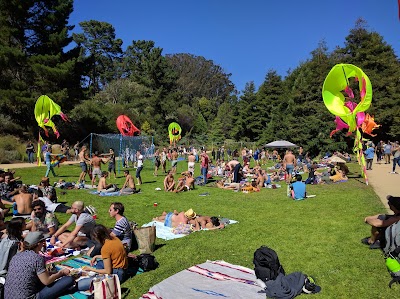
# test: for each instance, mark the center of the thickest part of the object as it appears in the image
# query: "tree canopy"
(95, 79)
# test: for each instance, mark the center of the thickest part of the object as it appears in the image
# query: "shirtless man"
(186, 183)
(207, 222)
(96, 163)
(22, 203)
(174, 162)
(260, 179)
(289, 163)
(175, 218)
(102, 186)
(129, 185)
(169, 182)
(191, 162)
(82, 162)
(234, 166)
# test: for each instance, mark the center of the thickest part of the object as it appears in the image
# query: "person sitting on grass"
(129, 185)
(169, 182)
(27, 276)
(21, 202)
(81, 233)
(47, 190)
(113, 257)
(380, 222)
(103, 186)
(42, 220)
(297, 189)
(185, 183)
(339, 175)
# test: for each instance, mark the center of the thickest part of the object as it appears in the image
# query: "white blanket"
(212, 279)
(165, 232)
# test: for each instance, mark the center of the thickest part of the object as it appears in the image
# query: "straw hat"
(190, 214)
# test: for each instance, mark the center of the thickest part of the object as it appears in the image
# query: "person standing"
(204, 165)
(396, 156)
(369, 155)
(157, 162)
(30, 150)
(82, 162)
(47, 159)
(76, 150)
(191, 163)
(139, 167)
(387, 150)
(164, 160)
(289, 163)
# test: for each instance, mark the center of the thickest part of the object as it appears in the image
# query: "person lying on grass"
(380, 222)
(173, 219)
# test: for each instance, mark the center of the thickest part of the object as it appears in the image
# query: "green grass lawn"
(319, 236)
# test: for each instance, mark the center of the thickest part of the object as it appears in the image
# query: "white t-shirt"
(140, 161)
(50, 206)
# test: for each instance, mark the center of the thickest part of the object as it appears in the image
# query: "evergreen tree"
(101, 52)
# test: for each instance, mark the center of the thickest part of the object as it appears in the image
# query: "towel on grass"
(165, 232)
(211, 279)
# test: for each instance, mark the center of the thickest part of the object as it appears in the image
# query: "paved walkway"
(383, 182)
(380, 178)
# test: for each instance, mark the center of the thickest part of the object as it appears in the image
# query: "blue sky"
(246, 38)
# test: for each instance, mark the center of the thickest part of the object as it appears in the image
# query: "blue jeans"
(84, 284)
(204, 171)
(30, 157)
(57, 288)
(49, 168)
(396, 161)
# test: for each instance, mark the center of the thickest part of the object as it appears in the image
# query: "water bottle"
(393, 265)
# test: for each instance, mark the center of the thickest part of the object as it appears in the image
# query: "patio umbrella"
(336, 159)
(281, 144)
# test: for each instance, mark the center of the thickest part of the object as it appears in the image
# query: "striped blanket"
(208, 280)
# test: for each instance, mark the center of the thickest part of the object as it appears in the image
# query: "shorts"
(83, 166)
(61, 208)
(96, 171)
(111, 167)
(289, 168)
(138, 170)
(168, 220)
(174, 163)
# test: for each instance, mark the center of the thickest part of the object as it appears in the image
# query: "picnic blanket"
(208, 280)
(165, 232)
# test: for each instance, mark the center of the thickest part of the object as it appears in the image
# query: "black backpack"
(266, 264)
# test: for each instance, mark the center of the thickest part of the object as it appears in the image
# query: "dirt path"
(27, 165)
(383, 182)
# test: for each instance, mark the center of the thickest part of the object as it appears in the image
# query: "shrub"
(11, 150)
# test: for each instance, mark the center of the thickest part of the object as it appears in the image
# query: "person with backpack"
(380, 222)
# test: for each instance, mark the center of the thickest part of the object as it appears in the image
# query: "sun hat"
(190, 214)
(33, 238)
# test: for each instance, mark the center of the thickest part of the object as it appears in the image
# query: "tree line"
(94, 79)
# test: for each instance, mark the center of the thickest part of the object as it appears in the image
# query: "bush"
(11, 150)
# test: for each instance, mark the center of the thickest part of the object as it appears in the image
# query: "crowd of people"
(23, 240)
